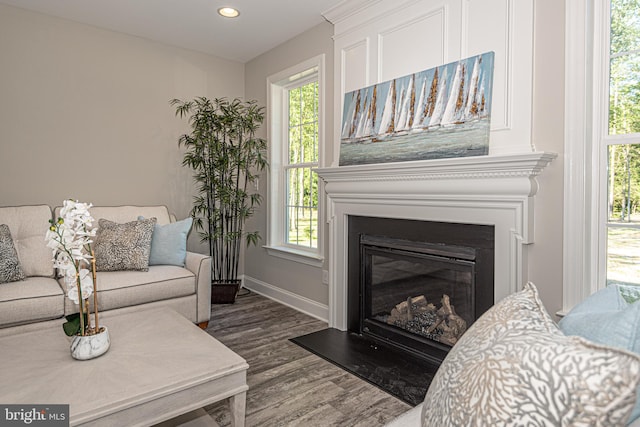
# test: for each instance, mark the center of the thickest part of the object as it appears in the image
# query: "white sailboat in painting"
(421, 108)
(349, 115)
(356, 118)
(387, 121)
(406, 107)
(363, 110)
(481, 101)
(359, 130)
(453, 112)
(368, 124)
(431, 100)
(398, 116)
(471, 108)
(438, 109)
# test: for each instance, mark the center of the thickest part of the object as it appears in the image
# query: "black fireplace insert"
(418, 285)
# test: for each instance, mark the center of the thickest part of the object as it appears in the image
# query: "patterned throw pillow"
(514, 367)
(10, 270)
(123, 246)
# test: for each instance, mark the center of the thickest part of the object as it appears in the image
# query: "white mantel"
(489, 190)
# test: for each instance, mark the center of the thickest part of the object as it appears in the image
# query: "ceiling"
(195, 24)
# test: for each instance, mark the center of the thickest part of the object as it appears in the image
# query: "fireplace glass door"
(415, 293)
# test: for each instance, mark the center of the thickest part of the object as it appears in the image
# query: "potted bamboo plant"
(226, 157)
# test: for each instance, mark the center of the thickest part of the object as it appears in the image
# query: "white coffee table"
(159, 367)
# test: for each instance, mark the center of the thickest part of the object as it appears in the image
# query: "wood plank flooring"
(289, 386)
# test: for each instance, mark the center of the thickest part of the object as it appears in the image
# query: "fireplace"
(495, 190)
(472, 216)
(418, 285)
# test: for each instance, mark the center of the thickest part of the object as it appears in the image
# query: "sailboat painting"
(437, 113)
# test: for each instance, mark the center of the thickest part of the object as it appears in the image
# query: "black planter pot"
(224, 292)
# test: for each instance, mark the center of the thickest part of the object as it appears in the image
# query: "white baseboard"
(295, 301)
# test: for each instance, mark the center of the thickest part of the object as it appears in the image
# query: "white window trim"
(586, 91)
(276, 90)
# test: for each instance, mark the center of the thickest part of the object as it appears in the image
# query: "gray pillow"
(123, 246)
(10, 270)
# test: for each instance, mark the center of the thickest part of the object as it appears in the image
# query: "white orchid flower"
(69, 238)
(86, 283)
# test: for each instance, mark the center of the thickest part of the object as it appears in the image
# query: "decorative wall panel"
(355, 60)
(426, 37)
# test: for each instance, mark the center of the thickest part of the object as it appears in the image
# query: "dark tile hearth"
(400, 374)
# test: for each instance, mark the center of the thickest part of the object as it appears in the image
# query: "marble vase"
(90, 346)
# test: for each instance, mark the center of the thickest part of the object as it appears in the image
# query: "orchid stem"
(95, 290)
(81, 304)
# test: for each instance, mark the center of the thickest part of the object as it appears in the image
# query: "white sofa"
(40, 297)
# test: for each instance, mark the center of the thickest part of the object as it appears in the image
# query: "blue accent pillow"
(169, 243)
(611, 317)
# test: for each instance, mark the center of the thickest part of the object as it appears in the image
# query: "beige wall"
(299, 279)
(545, 255)
(85, 114)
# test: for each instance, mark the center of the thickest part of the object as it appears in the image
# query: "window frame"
(587, 38)
(277, 88)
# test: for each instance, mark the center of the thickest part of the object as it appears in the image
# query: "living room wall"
(291, 282)
(85, 114)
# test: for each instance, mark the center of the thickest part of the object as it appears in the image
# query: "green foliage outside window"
(624, 109)
(623, 155)
(302, 182)
(624, 97)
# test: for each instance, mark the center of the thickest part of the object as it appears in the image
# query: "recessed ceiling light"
(228, 12)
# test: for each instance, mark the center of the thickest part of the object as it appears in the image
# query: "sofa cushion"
(118, 289)
(611, 317)
(515, 367)
(34, 299)
(10, 269)
(123, 246)
(28, 225)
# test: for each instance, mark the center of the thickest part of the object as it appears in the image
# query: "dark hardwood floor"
(289, 386)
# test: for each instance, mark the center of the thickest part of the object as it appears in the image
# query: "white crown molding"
(347, 8)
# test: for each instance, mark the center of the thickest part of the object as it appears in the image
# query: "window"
(602, 166)
(295, 137)
(623, 144)
(302, 182)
